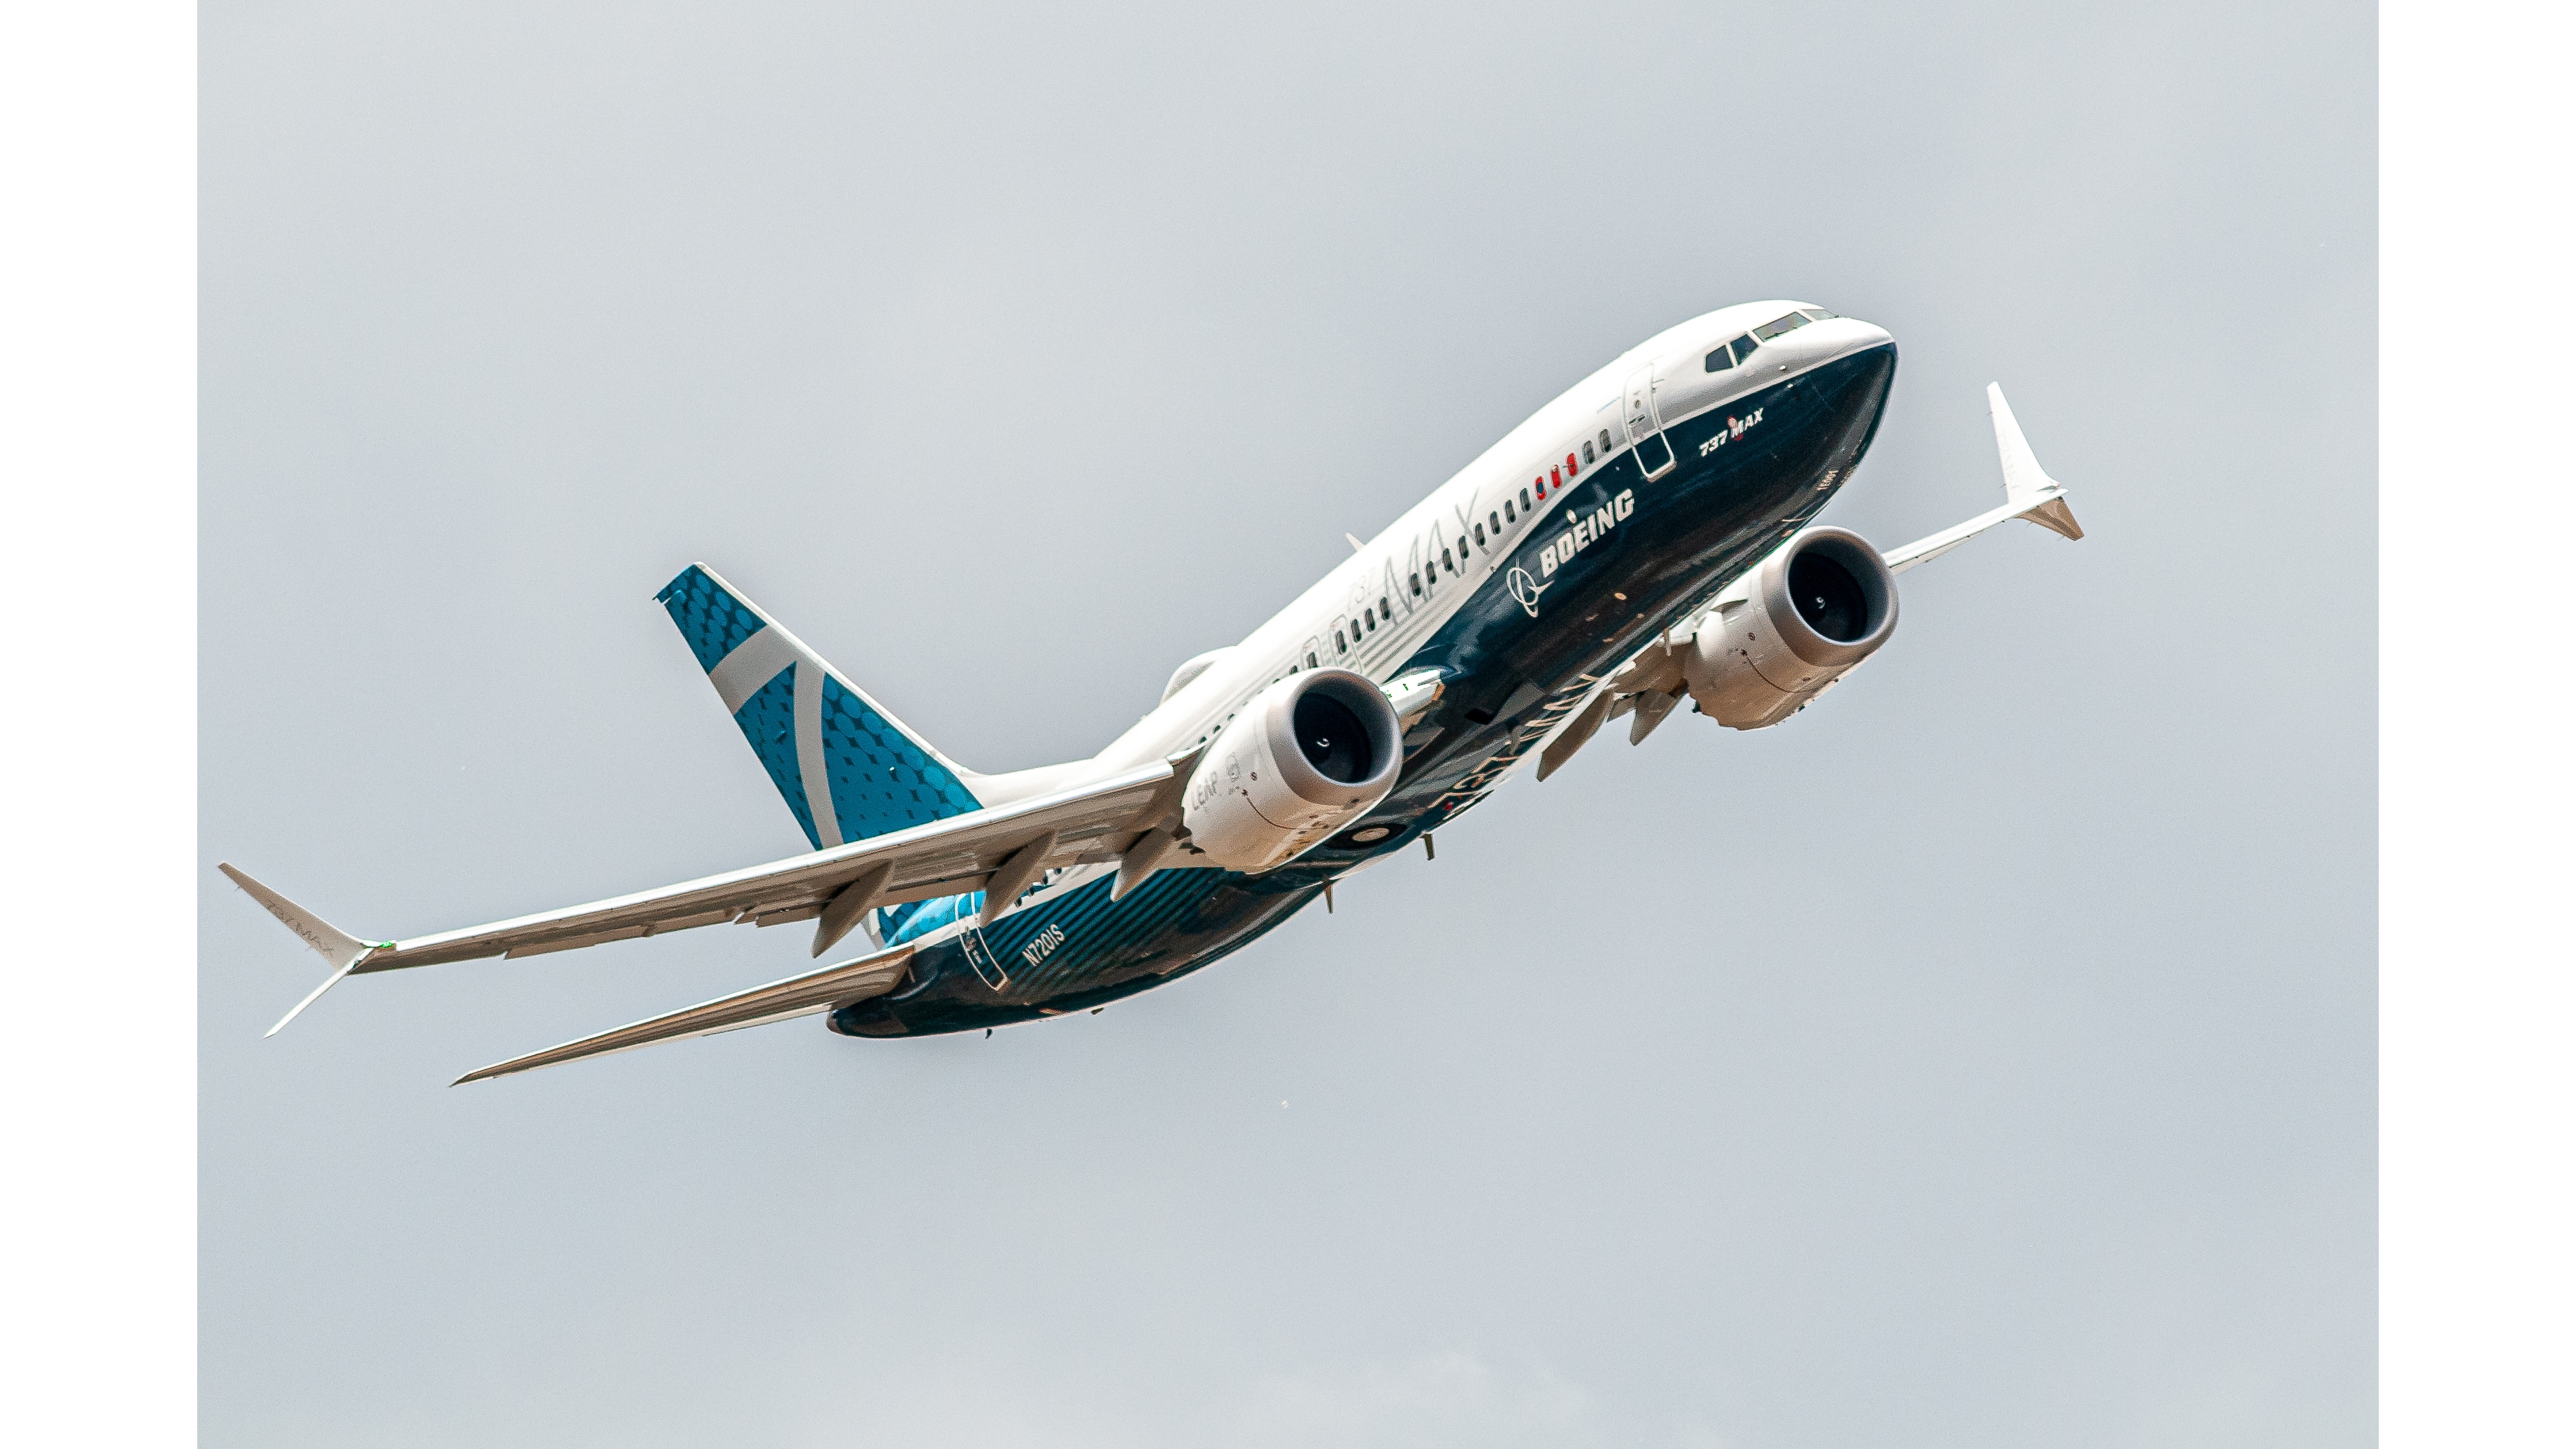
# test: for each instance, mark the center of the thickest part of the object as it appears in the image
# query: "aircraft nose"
(1871, 334)
(1825, 340)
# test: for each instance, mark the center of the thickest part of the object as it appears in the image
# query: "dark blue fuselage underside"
(1512, 670)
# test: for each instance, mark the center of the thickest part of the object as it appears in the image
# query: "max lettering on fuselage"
(1734, 428)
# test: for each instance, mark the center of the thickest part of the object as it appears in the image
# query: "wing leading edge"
(816, 991)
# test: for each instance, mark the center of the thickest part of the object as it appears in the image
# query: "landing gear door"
(1654, 455)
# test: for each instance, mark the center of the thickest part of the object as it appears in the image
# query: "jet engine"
(1790, 628)
(1309, 755)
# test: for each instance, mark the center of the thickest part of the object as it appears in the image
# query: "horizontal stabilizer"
(2028, 493)
(816, 991)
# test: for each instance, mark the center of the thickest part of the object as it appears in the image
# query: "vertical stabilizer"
(847, 769)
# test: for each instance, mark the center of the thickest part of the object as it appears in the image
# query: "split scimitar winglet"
(2029, 493)
(328, 941)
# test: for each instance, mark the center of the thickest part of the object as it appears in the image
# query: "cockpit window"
(1815, 314)
(1769, 330)
(1721, 359)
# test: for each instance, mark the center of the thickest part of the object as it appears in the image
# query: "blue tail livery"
(847, 768)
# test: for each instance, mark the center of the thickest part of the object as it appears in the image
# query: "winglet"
(2028, 493)
(2042, 498)
(332, 944)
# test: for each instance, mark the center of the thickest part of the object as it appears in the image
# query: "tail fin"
(848, 769)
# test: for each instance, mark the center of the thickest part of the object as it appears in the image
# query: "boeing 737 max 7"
(1647, 537)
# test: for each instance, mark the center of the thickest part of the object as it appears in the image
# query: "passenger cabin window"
(1497, 522)
(1417, 586)
(1525, 499)
(1769, 330)
(1340, 645)
(1606, 449)
(1507, 509)
(1385, 609)
(1445, 563)
(1314, 663)
(1480, 535)
(1587, 449)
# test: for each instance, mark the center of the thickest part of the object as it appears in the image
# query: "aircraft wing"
(1001, 850)
(806, 995)
(2028, 493)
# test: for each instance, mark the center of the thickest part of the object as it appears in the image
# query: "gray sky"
(1982, 1058)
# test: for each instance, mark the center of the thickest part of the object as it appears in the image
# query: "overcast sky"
(1983, 1058)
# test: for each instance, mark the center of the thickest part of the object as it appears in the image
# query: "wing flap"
(568, 943)
(815, 991)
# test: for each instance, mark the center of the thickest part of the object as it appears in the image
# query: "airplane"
(1647, 537)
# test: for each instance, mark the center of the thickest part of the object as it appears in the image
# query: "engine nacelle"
(1791, 628)
(1309, 755)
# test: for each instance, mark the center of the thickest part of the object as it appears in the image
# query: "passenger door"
(1654, 455)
